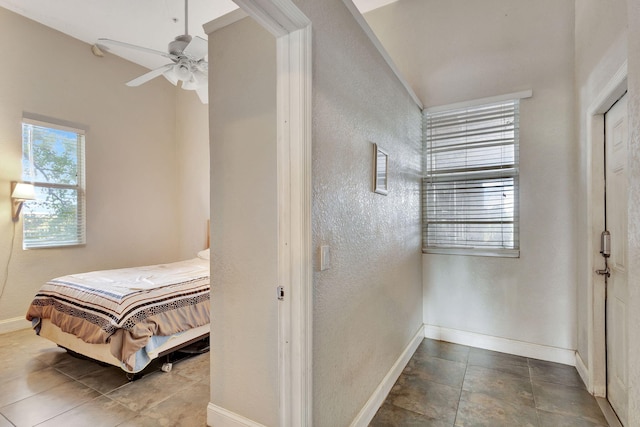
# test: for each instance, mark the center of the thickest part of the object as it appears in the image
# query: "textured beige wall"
(132, 175)
(367, 305)
(244, 308)
(600, 50)
(192, 136)
(460, 50)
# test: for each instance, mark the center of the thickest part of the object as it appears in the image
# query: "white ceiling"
(147, 23)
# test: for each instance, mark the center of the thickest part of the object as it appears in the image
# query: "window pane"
(52, 219)
(476, 213)
(49, 155)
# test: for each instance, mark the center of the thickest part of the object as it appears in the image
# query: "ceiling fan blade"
(200, 76)
(170, 74)
(196, 49)
(203, 93)
(191, 84)
(106, 42)
(150, 75)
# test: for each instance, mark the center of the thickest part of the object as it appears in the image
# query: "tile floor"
(40, 384)
(446, 385)
(443, 385)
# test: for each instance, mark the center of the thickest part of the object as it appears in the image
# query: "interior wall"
(606, 36)
(244, 308)
(633, 307)
(367, 303)
(600, 50)
(192, 139)
(131, 173)
(459, 50)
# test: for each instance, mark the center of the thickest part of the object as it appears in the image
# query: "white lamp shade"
(23, 191)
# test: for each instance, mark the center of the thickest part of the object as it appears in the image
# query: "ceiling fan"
(189, 61)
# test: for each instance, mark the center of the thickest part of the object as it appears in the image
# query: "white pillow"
(204, 254)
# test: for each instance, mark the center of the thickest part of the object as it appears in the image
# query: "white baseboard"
(220, 417)
(14, 324)
(583, 371)
(608, 412)
(585, 375)
(504, 345)
(380, 394)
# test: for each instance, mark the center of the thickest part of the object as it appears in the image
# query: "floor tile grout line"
(533, 393)
(68, 410)
(404, 409)
(8, 420)
(455, 420)
(554, 384)
(70, 379)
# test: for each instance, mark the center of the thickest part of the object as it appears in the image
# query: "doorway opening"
(292, 404)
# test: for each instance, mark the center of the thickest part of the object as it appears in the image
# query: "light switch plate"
(325, 258)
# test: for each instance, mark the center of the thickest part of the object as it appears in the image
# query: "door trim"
(612, 91)
(292, 30)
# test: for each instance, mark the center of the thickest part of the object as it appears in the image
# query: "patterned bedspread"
(125, 307)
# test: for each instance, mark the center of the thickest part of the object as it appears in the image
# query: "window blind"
(470, 188)
(53, 160)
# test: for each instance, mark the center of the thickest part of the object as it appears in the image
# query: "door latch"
(280, 293)
(606, 272)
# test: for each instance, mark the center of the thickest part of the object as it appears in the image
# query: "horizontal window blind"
(470, 188)
(53, 160)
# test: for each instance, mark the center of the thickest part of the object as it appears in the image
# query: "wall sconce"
(20, 191)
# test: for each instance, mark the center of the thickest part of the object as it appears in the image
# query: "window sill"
(52, 246)
(501, 253)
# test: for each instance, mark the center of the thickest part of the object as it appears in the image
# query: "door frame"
(292, 30)
(596, 369)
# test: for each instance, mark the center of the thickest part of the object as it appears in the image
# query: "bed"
(126, 317)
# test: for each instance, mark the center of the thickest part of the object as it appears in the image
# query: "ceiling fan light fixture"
(183, 71)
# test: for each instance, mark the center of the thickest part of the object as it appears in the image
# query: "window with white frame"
(470, 187)
(53, 160)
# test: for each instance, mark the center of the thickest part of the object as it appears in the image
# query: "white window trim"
(503, 253)
(54, 124)
(481, 101)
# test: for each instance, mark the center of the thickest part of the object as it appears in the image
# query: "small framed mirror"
(381, 163)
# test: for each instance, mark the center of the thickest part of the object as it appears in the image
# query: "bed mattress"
(125, 308)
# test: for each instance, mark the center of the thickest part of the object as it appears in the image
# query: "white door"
(616, 222)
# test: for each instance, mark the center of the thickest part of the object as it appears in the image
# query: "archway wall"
(367, 304)
(244, 217)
